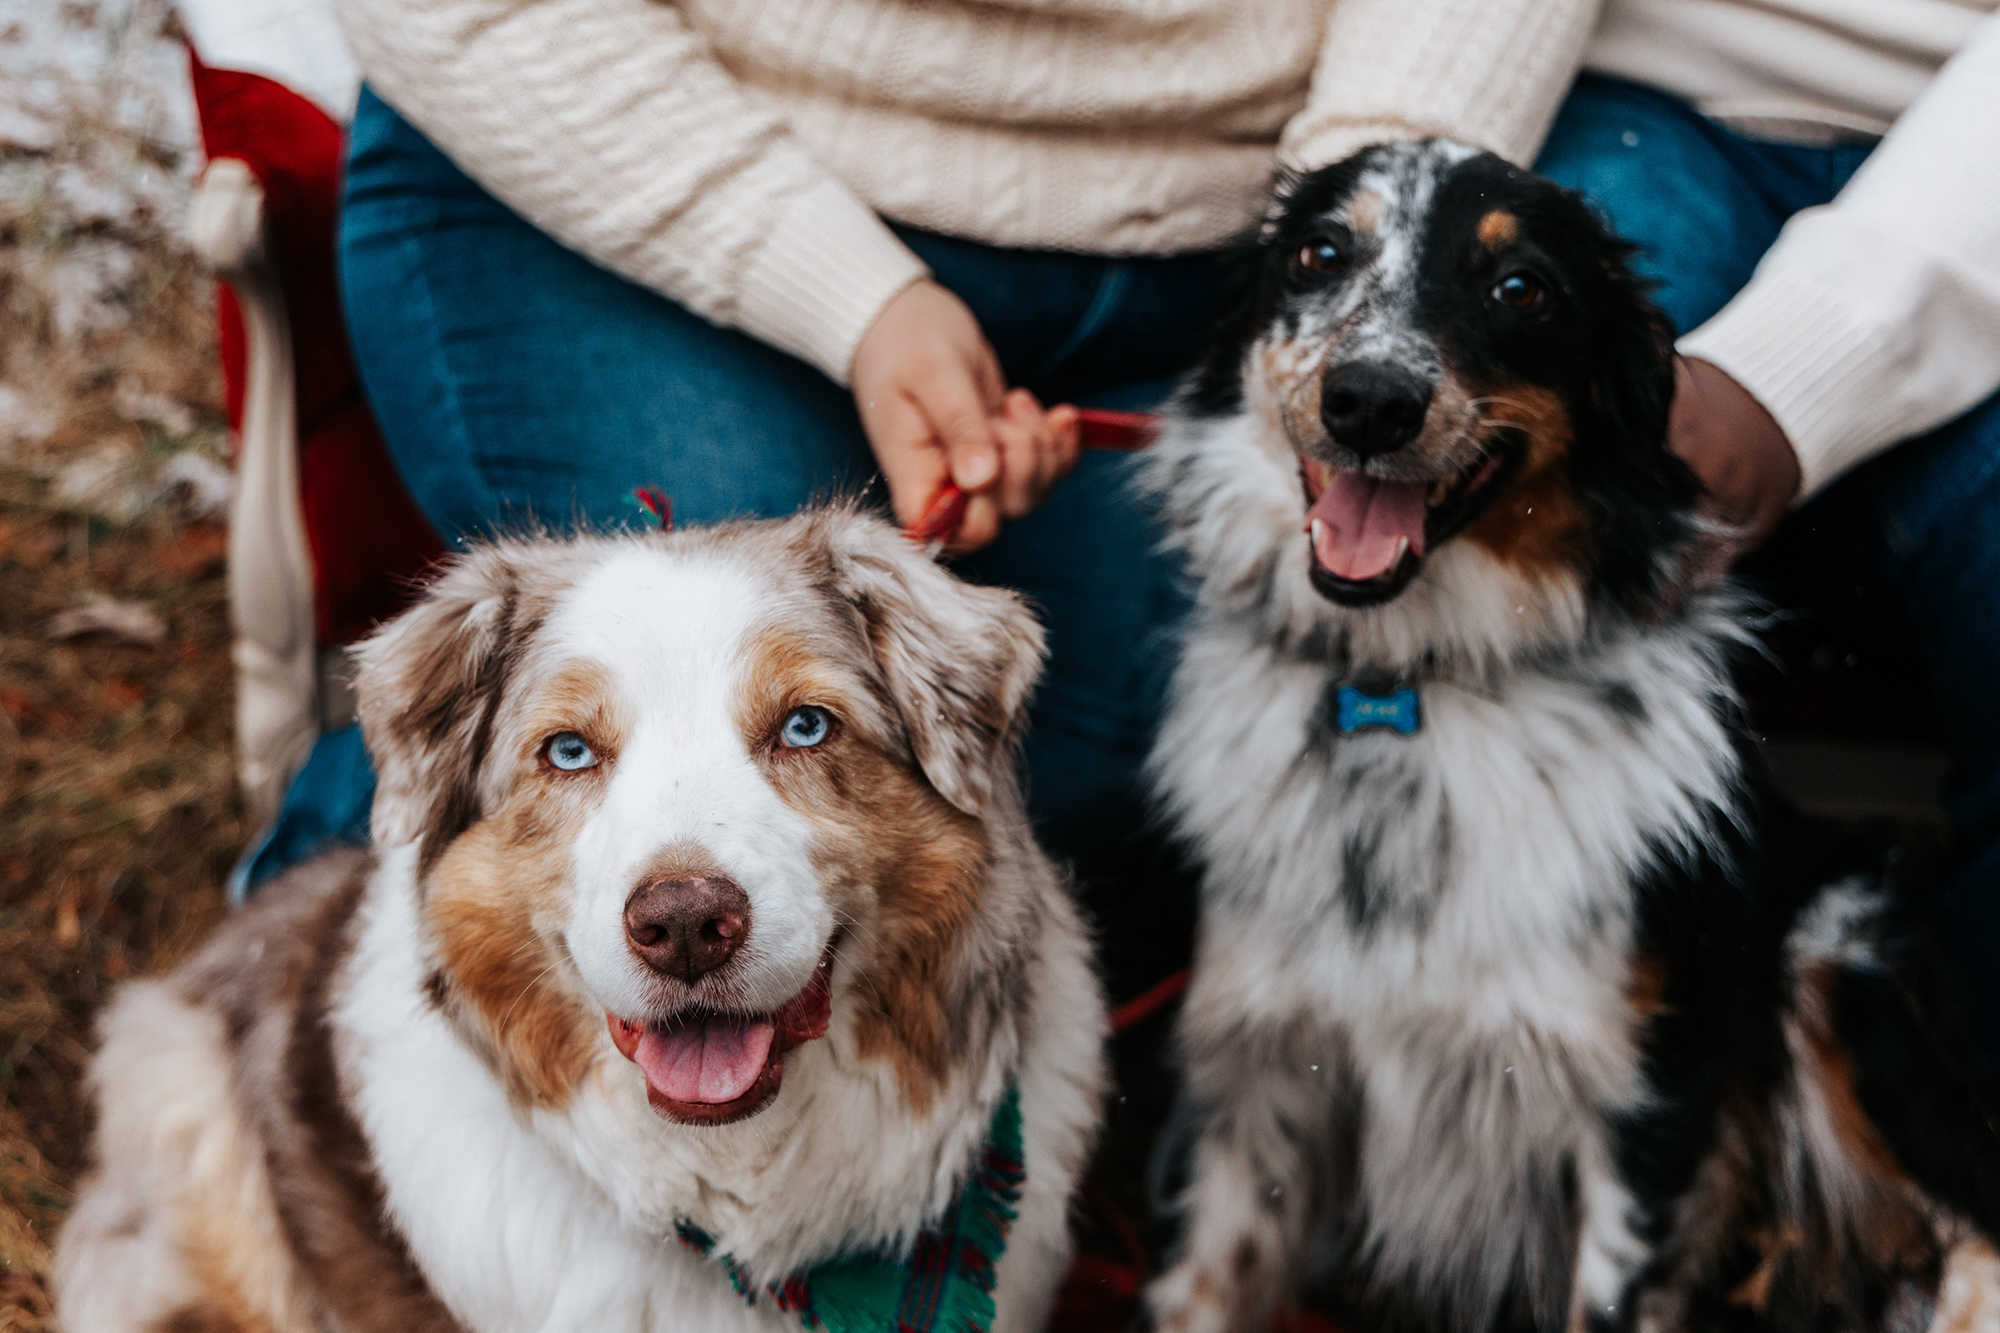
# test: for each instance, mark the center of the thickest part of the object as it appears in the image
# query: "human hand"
(936, 409)
(1748, 470)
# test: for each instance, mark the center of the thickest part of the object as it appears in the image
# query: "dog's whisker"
(532, 982)
(779, 1111)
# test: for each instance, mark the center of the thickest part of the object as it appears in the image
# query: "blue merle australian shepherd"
(1516, 1005)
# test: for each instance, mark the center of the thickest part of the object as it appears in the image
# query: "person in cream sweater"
(752, 251)
(1816, 186)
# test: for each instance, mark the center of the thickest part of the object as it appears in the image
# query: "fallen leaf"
(69, 928)
(198, 549)
(133, 622)
(28, 545)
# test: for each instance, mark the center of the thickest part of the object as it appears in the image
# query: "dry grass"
(118, 816)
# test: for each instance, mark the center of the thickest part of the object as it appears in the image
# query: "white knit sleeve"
(1485, 72)
(611, 126)
(1877, 317)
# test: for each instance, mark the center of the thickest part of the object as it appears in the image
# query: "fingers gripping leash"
(1099, 428)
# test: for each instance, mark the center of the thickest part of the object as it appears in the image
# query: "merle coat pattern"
(1543, 1016)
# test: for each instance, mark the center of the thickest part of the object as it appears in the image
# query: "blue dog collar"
(1359, 710)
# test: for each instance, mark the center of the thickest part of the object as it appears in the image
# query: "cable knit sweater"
(1877, 317)
(739, 155)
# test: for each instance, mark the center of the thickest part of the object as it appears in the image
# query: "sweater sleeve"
(1877, 316)
(611, 126)
(1485, 72)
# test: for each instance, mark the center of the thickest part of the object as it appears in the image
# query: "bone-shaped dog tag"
(1397, 711)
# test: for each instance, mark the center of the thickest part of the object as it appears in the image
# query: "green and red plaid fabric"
(944, 1285)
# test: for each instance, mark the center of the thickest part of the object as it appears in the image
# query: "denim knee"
(1660, 175)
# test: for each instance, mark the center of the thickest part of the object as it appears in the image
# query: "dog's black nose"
(687, 925)
(1371, 407)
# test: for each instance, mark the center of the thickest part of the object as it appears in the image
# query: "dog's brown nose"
(687, 925)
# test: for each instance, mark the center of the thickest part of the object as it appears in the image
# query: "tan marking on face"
(899, 862)
(788, 669)
(497, 899)
(1646, 988)
(579, 698)
(1289, 373)
(493, 908)
(1498, 230)
(1364, 211)
(1535, 524)
(204, 1317)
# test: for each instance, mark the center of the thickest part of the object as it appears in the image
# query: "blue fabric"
(327, 804)
(514, 378)
(1702, 203)
(1904, 549)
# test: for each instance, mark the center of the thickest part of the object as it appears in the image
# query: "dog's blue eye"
(805, 727)
(570, 752)
(1322, 256)
(1523, 291)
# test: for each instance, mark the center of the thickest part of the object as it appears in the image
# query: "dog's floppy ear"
(1632, 378)
(1629, 469)
(960, 661)
(428, 684)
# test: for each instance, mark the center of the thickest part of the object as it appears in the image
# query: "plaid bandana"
(945, 1285)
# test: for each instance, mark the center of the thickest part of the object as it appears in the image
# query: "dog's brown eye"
(1523, 291)
(1322, 256)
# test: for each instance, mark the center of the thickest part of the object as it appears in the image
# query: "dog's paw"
(1192, 1298)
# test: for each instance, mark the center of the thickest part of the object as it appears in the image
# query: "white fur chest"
(1481, 867)
(565, 1219)
(1443, 920)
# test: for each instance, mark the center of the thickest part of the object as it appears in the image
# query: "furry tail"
(176, 1224)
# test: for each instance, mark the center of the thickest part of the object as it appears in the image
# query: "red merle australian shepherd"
(1516, 1005)
(705, 978)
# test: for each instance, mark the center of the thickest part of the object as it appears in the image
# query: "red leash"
(1146, 1001)
(1102, 1293)
(1120, 432)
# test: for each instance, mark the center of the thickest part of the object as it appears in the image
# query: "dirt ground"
(118, 816)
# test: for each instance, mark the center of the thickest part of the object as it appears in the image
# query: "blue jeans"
(514, 378)
(1905, 549)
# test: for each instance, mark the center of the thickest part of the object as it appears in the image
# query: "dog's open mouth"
(1369, 534)
(708, 1067)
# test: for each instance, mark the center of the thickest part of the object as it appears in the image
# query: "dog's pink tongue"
(1362, 521)
(707, 1059)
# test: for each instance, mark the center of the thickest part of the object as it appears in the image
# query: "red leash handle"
(941, 520)
(1120, 431)
(1149, 1001)
(1097, 428)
